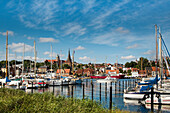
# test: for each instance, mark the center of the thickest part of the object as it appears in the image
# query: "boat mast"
(34, 59)
(8, 63)
(30, 64)
(15, 62)
(160, 55)
(6, 54)
(60, 63)
(51, 59)
(95, 66)
(105, 64)
(116, 64)
(156, 53)
(23, 60)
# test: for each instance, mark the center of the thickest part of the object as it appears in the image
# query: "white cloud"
(86, 59)
(30, 38)
(79, 48)
(9, 33)
(149, 52)
(19, 47)
(43, 39)
(106, 39)
(99, 21)
(73, 28)
(122, 30)
(88, 4)
(46, 53)
(128, 57)
(39, 14)
(53, 54)
(132, 46)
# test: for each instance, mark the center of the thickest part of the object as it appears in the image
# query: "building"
(42, 69)
(63, 72)
(69, 61)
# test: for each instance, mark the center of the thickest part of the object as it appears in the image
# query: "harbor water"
(104, 96)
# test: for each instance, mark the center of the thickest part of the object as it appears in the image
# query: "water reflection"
(103, 98)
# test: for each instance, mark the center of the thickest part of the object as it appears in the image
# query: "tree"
(129, 72)
(120, 70)
(66, 66)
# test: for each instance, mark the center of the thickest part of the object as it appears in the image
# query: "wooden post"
(43, 86)
(152, 98)
(72, 91)
(86, 82)
(119, 86)
(100, 92)
(123, 85)
(115, 87)
(83, 91)
(32, 88)
(92, 90)
(53, 87)
(106, 87)
(126, 84)
(19, 86)
(110, 97)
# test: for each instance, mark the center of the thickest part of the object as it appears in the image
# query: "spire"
(69, 58)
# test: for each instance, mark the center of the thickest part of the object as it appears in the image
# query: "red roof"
(107, 71)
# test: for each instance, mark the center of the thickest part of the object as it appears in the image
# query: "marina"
(101, 93)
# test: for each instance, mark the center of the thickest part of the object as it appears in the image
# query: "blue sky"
(96, 29)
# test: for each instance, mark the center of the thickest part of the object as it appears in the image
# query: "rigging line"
(165, 47)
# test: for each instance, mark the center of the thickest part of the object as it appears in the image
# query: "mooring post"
(43, 86)
(92, 90)
(123, 85)
(100, 92)
(110, 97)
(71, 91)
(119, 86)
(19, 86)
(32, 88)
(106, 87)
(53, 87)
(115, 87)
(126, 84)
(152, 99)
(83, 91)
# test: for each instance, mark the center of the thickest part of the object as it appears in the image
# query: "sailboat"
(5, 80)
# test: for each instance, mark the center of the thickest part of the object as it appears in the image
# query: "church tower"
(69, 62)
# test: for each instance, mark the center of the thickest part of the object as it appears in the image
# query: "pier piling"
(106, 87)
(43, 86)
(32, 88)
(152, 99)
(110, 97)
(123, 85)
(92, 91)
(83, 91)
(100, 91)
(71, 91)
(119, 86)
(115, 87)
(53, 87)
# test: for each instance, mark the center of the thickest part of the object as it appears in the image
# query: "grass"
(17, 101)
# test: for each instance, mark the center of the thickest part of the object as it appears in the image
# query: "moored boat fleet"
(34, 83)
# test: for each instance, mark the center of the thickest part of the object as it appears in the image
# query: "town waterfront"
(117, 95)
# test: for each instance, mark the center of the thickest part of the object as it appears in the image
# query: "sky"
(98, 30)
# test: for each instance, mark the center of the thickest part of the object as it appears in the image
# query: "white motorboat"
(64, 81)
(107, 79)
(163, 99)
